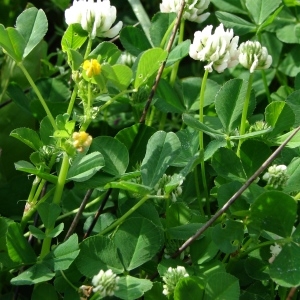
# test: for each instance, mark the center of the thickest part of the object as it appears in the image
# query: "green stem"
(87, 110)
(167, 34)
(267, 243)
(88, 48)
(265, 82)
(34, 187)
(128, 213)
(39, 95)
(151, 117)
(198, 191)
(68, 281)
(176, 65)
(201, 142)
(56, 200)
(72, 100)
(244, 113)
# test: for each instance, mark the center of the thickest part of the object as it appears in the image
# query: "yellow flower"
(81, 140)
(92, 67)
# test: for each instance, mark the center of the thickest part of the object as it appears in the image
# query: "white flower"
(276, 176)
(254, 57)
(192, 11)
(95, 17)
(219, 49)
(171, 278)
(105, 283)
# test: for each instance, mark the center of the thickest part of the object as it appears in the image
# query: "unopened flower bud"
(171, 278)
(254, 57)
(276, 176)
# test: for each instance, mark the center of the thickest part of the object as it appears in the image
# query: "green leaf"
(295, 142)
(293, 172)
(162, 149)
(272, 211)
(29, 168)
(228, 236)
(189, 288)
(63, 255)
(159, 26)
(123, 75)
(233, 6)
(49, 212)
(12, 43)
(290, 65)
(279, 116)
(253, 154)
(135, 139)
(269, 20)
(32, 24)
(85, 167)
(212, 147)
(148, 64)
(36, 232)
(230, 102)
(146, 239)
(28, 137)
(204, 249)
(96, 253)
(179, 52)
(35, 274)
(132, 288)
(287, 34)
(194, 123)
(44, 291)
(239, 25)
(114, 152)
(191, 92)
(168, 99)
(178, 214)
(134, 40)
(261, 10)
(183, 232)
(17, 246)
(130, 187)
(285, 269)
(222, 286)
(109, 53)
(15, 92)
(228, 165)
(56, 231)
(293, 101)
(46, 132)
(73, 38)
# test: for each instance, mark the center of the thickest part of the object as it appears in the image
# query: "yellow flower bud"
(92, 67)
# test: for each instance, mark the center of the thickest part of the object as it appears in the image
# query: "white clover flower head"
(105, 283)
(171, 278)
(192, 11)
(95, 17)
(220, 49)
(276, 176)
(254, 57)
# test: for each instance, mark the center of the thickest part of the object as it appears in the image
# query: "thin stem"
(72, 100)
(56, 200)
(151, 117)
(196, 176)
(128, 213)
(88, 47)
(201, 142)
(68, 281)
(244, 113)
(39, 95)
(176, 65)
